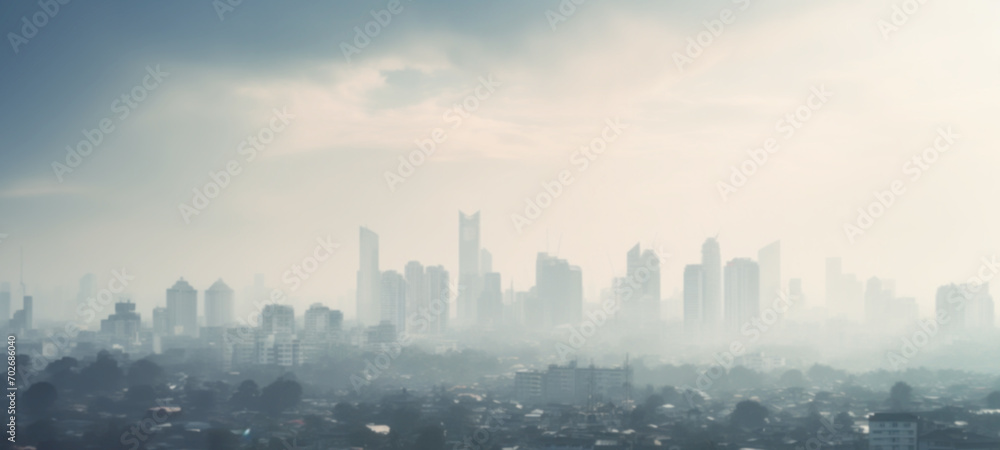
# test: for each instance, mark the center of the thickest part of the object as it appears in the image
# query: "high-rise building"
(490, 306)
(438, 299)
(711, 264)
(844, 292)
(877, 300)
(559, 290)
(742, 293)
(161, 322)
(321, 328)
(967, 307)
(643, 274)
(469, 276)
(485, 262)
(219, 305)
(416, 288)
(277, 319)
(796, 297)
(182, 309)
(124, 324)
(769, 259)
(23, 319)
(4, 303)
(893, 431)
(369, 279)
(694, 293)
(393, 291)
(88, 287)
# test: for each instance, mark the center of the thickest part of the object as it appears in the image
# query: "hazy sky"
(324, 175)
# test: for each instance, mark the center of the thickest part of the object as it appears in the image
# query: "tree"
(39, 398)
(104, 374)
(281, 395)
(749, 414)
(144, 371)
(430, 438)
(793, 378)
(993, 400)
(246, 395)
(345, 412)
(142, 396)
(900, 396)
(221, 439)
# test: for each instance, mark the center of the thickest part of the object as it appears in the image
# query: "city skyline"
(686, 129)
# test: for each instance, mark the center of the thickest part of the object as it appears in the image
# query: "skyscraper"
(416, 287)
(393, 291)
(742, 293)
(369, 279)
(877, 300)
(4, 303)
(711, 264)
(967, 307)
(182, 309)
(559, 290)
(88, 287)
(438, 297)
(485, 262)
(694, 290)
(277, 319)
(490, 308)
(844, 292)
(468, 267)
(769, 259)
(642, 270)
(219, 305)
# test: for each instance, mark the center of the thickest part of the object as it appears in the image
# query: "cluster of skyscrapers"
(719, 300)
(423, 295)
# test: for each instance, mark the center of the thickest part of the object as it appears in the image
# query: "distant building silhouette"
(369, 279)
(742, 293)
(560, 291)
(769, 259)
(182, 309)
(469, 274)
(711, 309)
(694, 297)
(393, 291)
(643, 273)
(219, 304)
(892, 431)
